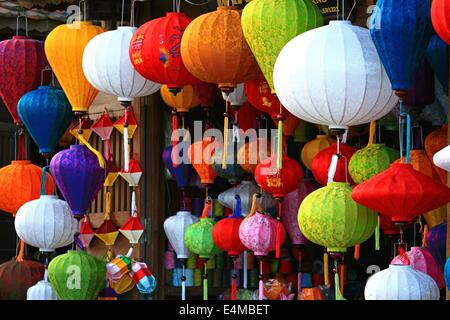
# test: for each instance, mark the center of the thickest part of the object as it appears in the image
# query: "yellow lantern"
(312, 148)
(185, 100)
(64, 48)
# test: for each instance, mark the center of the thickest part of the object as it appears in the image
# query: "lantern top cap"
(77, 146)
(183, 213)
(125, 28)
(20, 37)
(48, 196)
(338, 184)
(227, 8)
(171, 13)
(399, 266)
(20, 162)
(337, 22)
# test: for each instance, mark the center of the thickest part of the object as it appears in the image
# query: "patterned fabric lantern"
(252, 153)
(422, 92)
(86, 232)
(401, 282)
(155, 51)
(267, 28)
(440, 19)
(313, 147)
(259, 94)
(359, 94)
(46, 223)
(42, 290)
(197, 152)
(214, 50)
(434, 142)
(415, 193)
(46, 113)
(183, 172)
(437, 56)
(321, 163)
(401, 31)
(21, 61)
(234, 173)
(198, 238)
(16, 276)
(104, 127)
(79, 176)
(77, 275)
(330, 218)
(114, 74)
(235, 98)
(175, 228)
(183, 101)
(20, 182)
(421, 259)
(437, 242)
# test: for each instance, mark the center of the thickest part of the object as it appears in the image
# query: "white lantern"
(107, 66)
(333, 76)
(401, 282)
(175, 227)
(42, 290)
(246, 190)
(442, 159)
(46, 223)
(237, 97)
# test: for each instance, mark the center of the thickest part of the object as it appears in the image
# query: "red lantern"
(226, 235)
(260, 96)
(401, 193)
(22, 60)
(388, 226)
(247, 116)
(206, 93)
(155, 51)
(278, 182)
(16, 276)
(440, 17)
(321, 164)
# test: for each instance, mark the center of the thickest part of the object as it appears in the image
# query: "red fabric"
(260, 96)
(401, 193)
(321, 164)
(103, 126)
(21, 61)
(278, 183)
(155, 51)
(388, 226)
(289, 125)
(140, 274)
(16, 277)
(226, 236)
(286, 267)
(21, 149)
(440, 17)
(246, 116)
(207, 93)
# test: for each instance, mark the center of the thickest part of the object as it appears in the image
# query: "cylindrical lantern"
(17, 276)
(441, 19)
(313, 147)
(200, 155)
(175, 228)
(252, 153)
(437, 242)
(359, 92)
(185, 100)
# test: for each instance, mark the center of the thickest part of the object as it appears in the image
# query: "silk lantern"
(200, 155)
(267, 28)
(46, 114)
(440, 19)
(46, 223)
(437, 56)
(437, 242)
(77, 275)
(214, 50)
(64, 47)
(321, 163)
(236, 98)
(421, 259)
(20, 182)
(401, 31)
(22, 60)
(330, 218)
(313, 147)
(155, 51)
(16, 276)
(388, 226)
(401, 282)
(198, 238)
(259, 94)
(107, 66)
(309, 77)
(401, 192)
(175, 228)
(434, 142)
(233, 172)
(42, 290)
(79, 176)
(252, 153)
(185, 100)
(182, 172)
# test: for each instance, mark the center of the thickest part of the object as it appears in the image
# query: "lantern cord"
(84, 8)
(125, 148)
(132, 13)
(101, 160)
(245, 258)
(357, 251)
(225, 137)
(21, 148)
(372, 130)
(325, 269)
(22, 14)
(174, 136)
(123, 9)
(377, 234)
(21, 251)
(279, 232)
(183, 283)
(44, 175)
(424, 236)
(261, 282)
(351, 10)
(233, 280)
(205, 283)
(280, 144)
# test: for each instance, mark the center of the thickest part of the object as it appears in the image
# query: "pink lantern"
(104, 127)
(421, 259)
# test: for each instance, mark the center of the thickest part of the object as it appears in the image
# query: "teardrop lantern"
(313, 147)
(440, 19)
(200, 156)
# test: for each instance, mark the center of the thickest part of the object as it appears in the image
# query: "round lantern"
(258, 232)
(76, 275)
(155, 51)
(234, 173)
(46, 223)
(441, 19)
(185, 100)
(206, 93)
(321, 164)
(269, 25)
(46, 113)
(198, 238)
(278, 182)
(182, 172)
(22, 60)
(214, 49)
(330, 218)
(401, 282)
(447, 273)
(79, 177)
(252, 153)
(235, 98)
(401, 193)
(401, 31)
(17, 276)
(434, 142)
(247, 117)
(421, 259)
(175, 228)
(359, 92)
(20, 182)
(313, 147)
(259, 94)
(437, 56)
(437, 242)
(42, 290)
(64, 47)
(226, 234)
(442, 158)
(114, 74)
(200, 155)
(370, 161)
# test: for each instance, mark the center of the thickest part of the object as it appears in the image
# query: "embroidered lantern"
(200, 155)
(313, 147)
(259, 94)
(198, 238)
(437, 242)
(440, 19)
(16, 276)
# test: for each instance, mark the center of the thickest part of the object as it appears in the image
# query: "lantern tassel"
(325, 269)
(21, 251)
(342, 278)
(279, 232)
(107, 205)
(233, 281)
(261, 282)
(183, 284)
(126, 160)
(174, 141)
(245, 280)
(425, 233)
(101, 160)
(280, 145)
(205, 284)
(337, 286)
(44, 175)
(372, 129)
(107, 149)
(356, 253)
(225, 142)
(377, 235)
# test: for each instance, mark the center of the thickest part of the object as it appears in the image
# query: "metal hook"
(132, 13)
(351, 11)
(22, 14)
(84, 8)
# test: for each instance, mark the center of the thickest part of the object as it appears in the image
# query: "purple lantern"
(422, 94)
(182, 173)
(437, 243)
(79, 177)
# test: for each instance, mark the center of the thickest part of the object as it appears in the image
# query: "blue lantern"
(46, 113)
(401, 31)
(437, 55)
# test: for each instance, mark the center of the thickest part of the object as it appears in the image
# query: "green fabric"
(269, 24)
(198, 238)
(370, 161)
(330, 218)
(77, 275)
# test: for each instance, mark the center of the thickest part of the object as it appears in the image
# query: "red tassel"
(21, 152)
(356, 254)
(279, 232)
(233, 282)
(174, 142)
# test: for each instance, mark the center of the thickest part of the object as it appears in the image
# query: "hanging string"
(125, 143)
(205, 284)
(326, 277)
(122, 13)
(22, 14)
(225, 136)
(84, 9)
(245, 258)
(372, 129)
(377, 234)
(233, 280)
(44, 175)
(132, 13)
(280, 118)
(261, 282)
(183, 283)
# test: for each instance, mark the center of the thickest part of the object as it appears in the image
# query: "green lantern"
(370, 161)
(269, 24)
(233, 171)
(198, 238)
(77, 275)
(329, 217)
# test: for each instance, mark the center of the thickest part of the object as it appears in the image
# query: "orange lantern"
(214, 49)
(311, 294)
(252, 153)
(434, 142)
(200, 155)
(313, 147)
(20, 182)
(184, 100)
